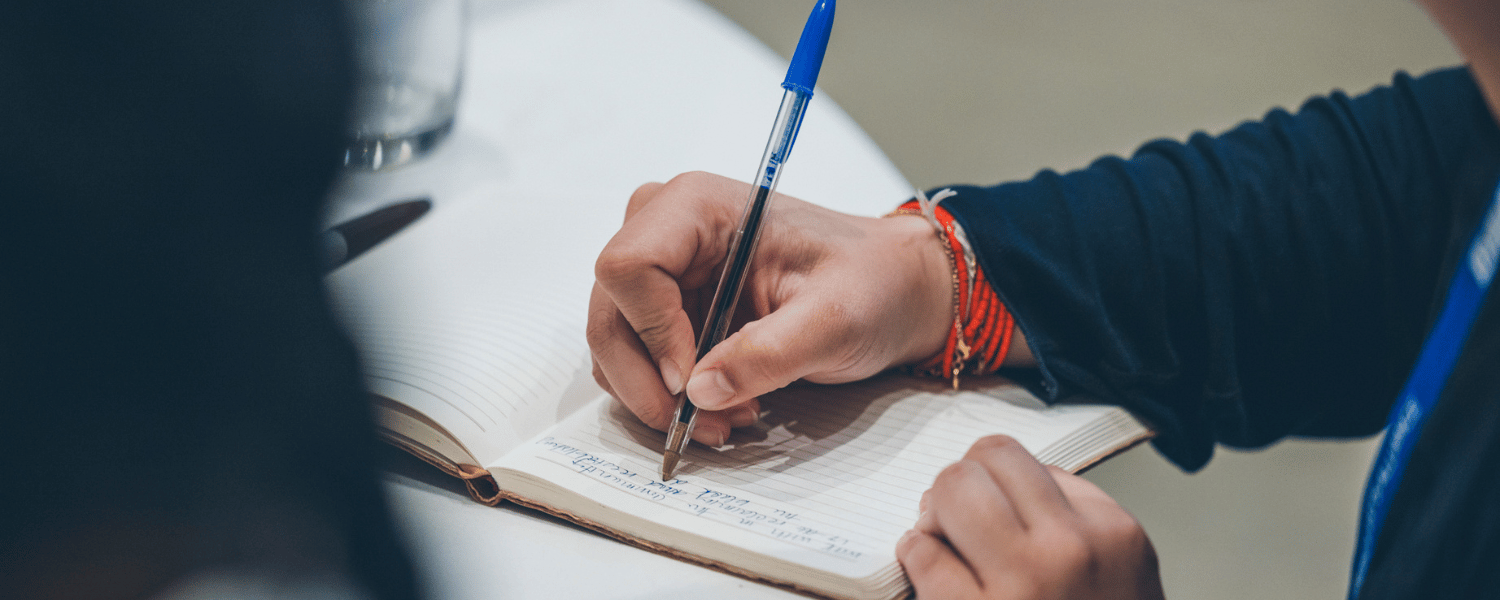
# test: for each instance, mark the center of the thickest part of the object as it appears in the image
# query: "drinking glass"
(409, 56)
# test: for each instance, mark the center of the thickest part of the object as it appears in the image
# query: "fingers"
(1027, 483)
(1023, 530)
(743, 415)
(670, 242)
(990, 504)
(969, 509)
(639, 334)
(821, 289)
(647, 297)
(624, 369)
(627, 369)
(934, 569)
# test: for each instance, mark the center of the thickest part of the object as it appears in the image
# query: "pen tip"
(669, 464)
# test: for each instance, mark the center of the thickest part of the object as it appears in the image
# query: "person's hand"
(829, 298)
(998, 524)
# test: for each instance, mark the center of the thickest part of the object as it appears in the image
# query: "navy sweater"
(1277, 280)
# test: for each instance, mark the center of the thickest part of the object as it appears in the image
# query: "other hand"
(1000, 525)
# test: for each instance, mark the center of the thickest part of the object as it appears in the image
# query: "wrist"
(928, 287)
(981, 328)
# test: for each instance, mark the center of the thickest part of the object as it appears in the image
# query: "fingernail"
(710, 389)
(672, 376)
(743, 416)
(710, 437)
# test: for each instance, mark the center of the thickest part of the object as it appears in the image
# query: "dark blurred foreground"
(175, 398)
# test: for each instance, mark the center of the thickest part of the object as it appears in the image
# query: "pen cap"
(808, 58)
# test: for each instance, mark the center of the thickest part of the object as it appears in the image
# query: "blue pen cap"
(808, 58)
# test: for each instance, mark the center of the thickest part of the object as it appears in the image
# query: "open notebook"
(473, 340)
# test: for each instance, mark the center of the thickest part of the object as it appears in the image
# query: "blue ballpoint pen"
(800, 78)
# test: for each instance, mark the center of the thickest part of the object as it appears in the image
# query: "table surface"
(584, 100)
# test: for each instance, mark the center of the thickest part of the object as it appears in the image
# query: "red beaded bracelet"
(982, 327)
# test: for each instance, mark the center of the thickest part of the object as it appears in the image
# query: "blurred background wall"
(977, 91)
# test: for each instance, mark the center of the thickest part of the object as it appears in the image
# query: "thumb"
(765, 355)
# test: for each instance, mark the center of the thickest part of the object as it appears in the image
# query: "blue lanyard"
(1421, 392)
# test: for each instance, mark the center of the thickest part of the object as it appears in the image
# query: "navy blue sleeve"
(1272, 280)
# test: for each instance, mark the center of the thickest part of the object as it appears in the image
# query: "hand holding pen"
(828, 298)
(801, 77)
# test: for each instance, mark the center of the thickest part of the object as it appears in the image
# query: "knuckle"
(641, 197)
(1067, 550)
(616, 264)
(919, 555)
(997, 448)
(690, 179)
(1121, 529)
(954, 473)
(999, 442)
(955, 478)
(656, 335)
(600, 330)
(608, 331)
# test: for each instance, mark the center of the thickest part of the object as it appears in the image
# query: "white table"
(589, 99)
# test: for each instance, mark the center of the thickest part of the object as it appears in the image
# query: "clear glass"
(409, 56)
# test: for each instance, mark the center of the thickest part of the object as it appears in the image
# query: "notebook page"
(474, 316)
(830, 479)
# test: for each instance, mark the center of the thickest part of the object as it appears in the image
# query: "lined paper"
(458, 318)
(831, 478)
(489, 344)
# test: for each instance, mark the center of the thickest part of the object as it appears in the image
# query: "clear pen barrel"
(742, 247)
(783, 134)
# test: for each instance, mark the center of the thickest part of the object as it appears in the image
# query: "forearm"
(1241, 287)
